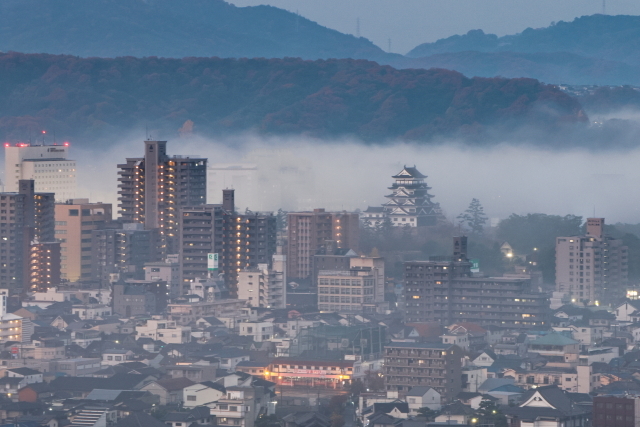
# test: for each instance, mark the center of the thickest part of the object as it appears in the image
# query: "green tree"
(374, 380)
(474, 217)
(489, 413)
(428, 413)
(526, 232)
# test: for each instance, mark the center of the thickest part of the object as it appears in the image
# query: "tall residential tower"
(153, 188)
(593, 267)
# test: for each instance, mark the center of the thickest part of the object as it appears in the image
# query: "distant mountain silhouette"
(593, 49)
(596, 49)
(97, 98)
(170, 28)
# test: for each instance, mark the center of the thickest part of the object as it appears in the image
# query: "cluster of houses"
(229, 364)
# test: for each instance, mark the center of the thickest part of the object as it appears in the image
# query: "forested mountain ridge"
(169, 28)
(87, 98)
(595, 49)
(613, 38)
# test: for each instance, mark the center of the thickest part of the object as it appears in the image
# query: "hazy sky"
(411, 22)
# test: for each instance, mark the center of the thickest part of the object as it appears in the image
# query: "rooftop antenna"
(358, 27)
(146, 131)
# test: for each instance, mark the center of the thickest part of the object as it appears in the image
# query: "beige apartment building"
(592, 268)
(356, 289)
(75, 220)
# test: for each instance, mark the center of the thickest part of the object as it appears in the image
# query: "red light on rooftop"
(6, 144)
(44, 131)
(66, 144)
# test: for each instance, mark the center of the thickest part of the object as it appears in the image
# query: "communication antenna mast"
(604, 7)
(297, 20)
(358, 28)
(389, 50)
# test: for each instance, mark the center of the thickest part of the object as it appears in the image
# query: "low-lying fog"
(296, 173)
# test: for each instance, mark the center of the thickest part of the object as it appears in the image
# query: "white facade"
(166, 331)
(47, 165)
(264, 287)
(237, 408)
(10, 324)
(258, 331)
(423, 397)
(200, 395)
(92, 311)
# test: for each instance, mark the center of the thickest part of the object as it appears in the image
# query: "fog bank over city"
(301, 174)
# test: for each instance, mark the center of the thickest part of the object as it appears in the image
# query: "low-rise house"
(196, 372)
(423, 397)
(455, 413)
(230, 357)
(115, 356)
(82, 386)
(9, 387)
(29, 375)
(473, 377)
(200, 415)
(306, 419)
(166, 331)
(548, 406)
(76, 367)
(35, 392)
(202, 394)
(240, 406)
(85, 337)
(486, 358)
(91, 311)
(258, 331)
(587, 334)
(253, 368)
(559, 350)
(169, 390)
(624, 311)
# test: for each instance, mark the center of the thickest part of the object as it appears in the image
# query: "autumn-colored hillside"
(89, 98)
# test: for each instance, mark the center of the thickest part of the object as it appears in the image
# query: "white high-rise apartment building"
(48, 165)
(592, 268)
(263, 286)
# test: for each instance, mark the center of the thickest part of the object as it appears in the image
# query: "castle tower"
(410, 203)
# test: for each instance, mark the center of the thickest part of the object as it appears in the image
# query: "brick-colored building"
(616, 411)
(308, 232)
